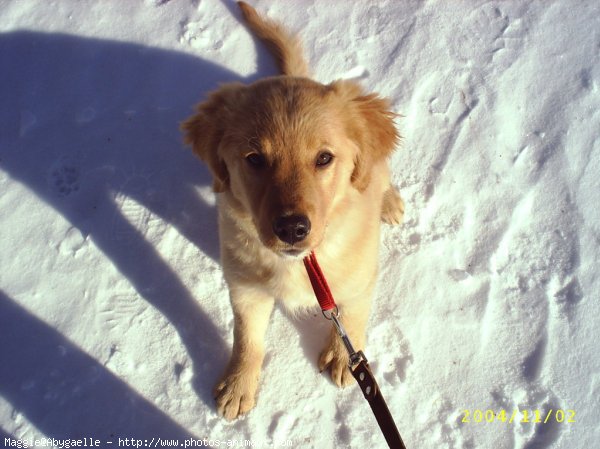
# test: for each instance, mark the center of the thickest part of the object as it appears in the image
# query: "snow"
(114, 316)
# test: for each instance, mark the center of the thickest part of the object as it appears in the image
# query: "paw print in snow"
(199, 36)
(64, 177)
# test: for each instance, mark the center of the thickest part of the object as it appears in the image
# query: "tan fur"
(290, 120)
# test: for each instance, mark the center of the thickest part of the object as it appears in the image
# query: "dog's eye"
(324, 158)
(256, 160)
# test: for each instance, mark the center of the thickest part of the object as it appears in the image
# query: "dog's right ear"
(205, 130)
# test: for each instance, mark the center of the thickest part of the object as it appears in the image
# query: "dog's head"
(289, 150)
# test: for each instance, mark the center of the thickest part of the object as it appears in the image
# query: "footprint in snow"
(199, 35)
(281, 425)
(568, 296)
(393, 366)
(529, 433)
(72, 242)
(371, 22)
(64, 177)
(397, 370)
(445, 427)
(480, 34)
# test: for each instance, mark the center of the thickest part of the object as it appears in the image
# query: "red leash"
(319, 284)
(358, 364)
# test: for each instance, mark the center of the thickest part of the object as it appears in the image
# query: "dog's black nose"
(292, 228)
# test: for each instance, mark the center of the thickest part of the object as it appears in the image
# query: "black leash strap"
(367, 383)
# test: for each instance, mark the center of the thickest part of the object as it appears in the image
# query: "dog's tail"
(285, 47)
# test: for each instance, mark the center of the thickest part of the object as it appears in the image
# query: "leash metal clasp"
(328, 314)
(356, 357)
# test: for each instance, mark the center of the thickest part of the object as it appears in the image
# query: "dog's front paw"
(392, 209)
(335, 357)
(236, 394)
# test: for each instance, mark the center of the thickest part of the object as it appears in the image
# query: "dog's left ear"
(205, 130)
(370, 124)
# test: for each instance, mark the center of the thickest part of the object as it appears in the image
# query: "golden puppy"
(298, 166)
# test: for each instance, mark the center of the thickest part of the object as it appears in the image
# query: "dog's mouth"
(294, 253)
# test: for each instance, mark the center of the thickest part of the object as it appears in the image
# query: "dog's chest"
(291, 286)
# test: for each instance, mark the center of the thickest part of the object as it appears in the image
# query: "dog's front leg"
(236, 392)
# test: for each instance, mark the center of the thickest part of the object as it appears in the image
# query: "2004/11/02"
(533, 416)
